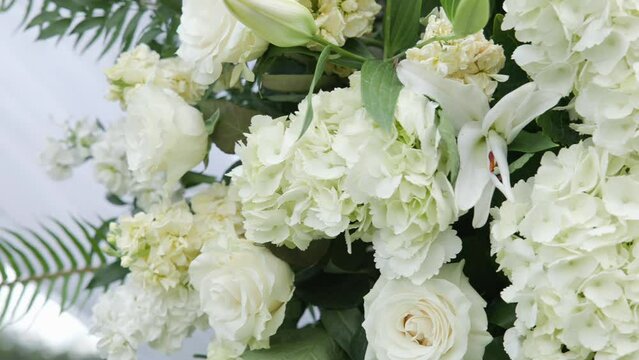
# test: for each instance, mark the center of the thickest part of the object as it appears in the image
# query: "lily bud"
(470, 16)
(283, 23)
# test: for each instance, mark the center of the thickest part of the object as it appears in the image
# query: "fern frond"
(116, 22)
(36, 264)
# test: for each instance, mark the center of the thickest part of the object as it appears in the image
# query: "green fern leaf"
(36, 263)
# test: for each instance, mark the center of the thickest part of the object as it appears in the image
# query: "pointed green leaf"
(401, 25)
(319, 70)
(380, 90)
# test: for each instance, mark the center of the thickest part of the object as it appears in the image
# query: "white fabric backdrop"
(42, 83)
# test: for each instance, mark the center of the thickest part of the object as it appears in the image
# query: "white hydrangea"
(339, 20)
(112, 170)
(142, 65)
(589, 48)
(567, 241)
(158, 246)
(346, 174)
(229, 269)
(133, 313)
(61, 155)
(211, 37)
(471, 60)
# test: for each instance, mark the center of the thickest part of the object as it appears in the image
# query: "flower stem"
(339, 50)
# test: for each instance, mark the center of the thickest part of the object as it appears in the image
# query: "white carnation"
(211, 36)
(567, 243)
(589, 49)
(471, 60)
(112, 171)
(157, 247)
(61, 155)
(347, 174)
(164, 135)
(134, 313)
(229, 269)
(339, 20)
(142, 65)
(443, 319)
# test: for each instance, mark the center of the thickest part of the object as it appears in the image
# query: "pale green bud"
(470, 16)
(284, 23)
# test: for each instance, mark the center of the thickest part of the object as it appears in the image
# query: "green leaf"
(449, 7)
(520, 162)
(319, 70)
(191, 179)
(211, 121)
(43, 18)
(299, 259)
(380, 90)
(56, 28)
(556, 125)
(401, 25)
(87, 24)
(450, 151)
(470, 16)
(343, 326)
(495, 350)
(311, 343)
(287, 82)
(232, 124)
(107, 275)
(55, 258)
(115, 200)
(334, 291)
(359, 345)
(527, 142)
(501, 314)
(294, 310)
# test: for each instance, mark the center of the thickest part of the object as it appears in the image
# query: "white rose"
(443, 319)
(243, 289)
(212, 36)
(163, 134)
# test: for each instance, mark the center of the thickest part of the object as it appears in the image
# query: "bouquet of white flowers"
(415, 179)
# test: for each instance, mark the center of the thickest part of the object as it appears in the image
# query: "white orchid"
(483, 133)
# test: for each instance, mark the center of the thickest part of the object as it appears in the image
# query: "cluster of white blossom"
(590, 48)
(157, 246)
(194, 263)
(338, 20)
(72, 149)
(142, 66)
(112, 170)
(211, 37)
(471, 59)
(135, 313)
(567, 242)
(347, 174)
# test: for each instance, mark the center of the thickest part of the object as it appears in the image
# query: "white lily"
(483, 133)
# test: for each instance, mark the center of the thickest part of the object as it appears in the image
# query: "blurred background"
(43, 84)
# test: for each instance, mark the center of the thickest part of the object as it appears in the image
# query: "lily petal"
(497, 145)
(482, 208)
(461, 103)
(517, 109)
(474, 171)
